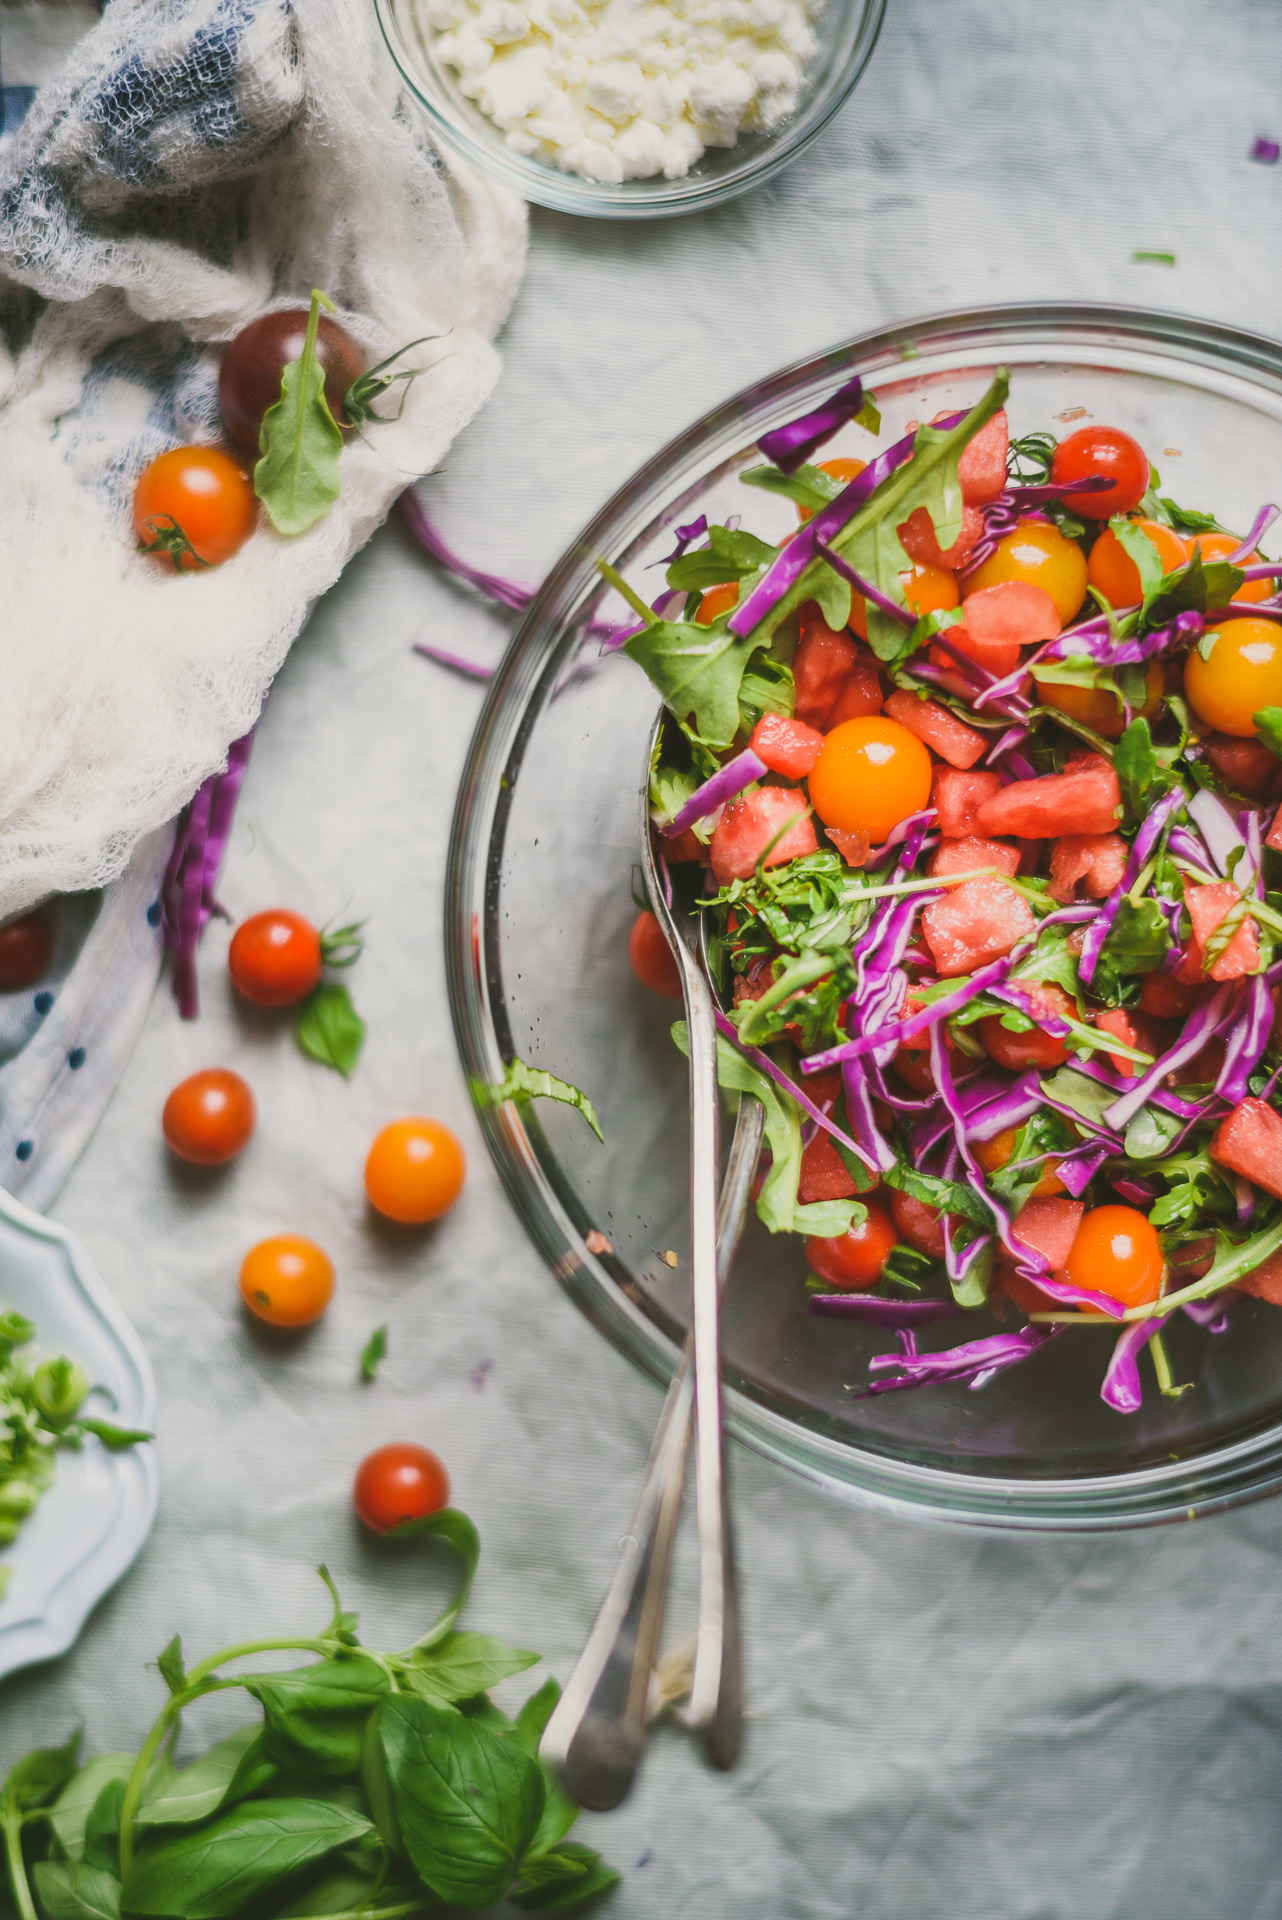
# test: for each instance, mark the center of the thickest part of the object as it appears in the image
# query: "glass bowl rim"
(546, 186)
(1222, 1477)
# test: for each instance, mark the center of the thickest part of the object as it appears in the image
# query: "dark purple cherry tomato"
(249, 379)
(26, 946)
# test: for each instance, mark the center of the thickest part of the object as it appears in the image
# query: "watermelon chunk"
(968, 853)
(1093, 861)
(998, 621)
(823, 659)
(1247, 766)
(1085, 798)
(1249, 1142)
(921, 1226)
(824, 1175)
(1133, 1030)
(1266, 1281)
(917, 538)
(858, 694)
(854, 848)
(748, 826)
(788, 747)
(1207, 906)
(1049, 1227)
(982, 466)
(1274, 836)
(957, 797)
(939, 727)
(976, 922)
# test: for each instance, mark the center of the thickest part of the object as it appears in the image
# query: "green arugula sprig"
(522, 1084)
(370, 1786)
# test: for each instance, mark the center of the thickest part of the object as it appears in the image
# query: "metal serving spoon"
(597, 1734)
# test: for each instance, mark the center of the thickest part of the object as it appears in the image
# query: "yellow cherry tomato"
(287, 1280)
(1233, 671)
(1038, 552)
(1218, 546)
(415, 1171)
(929, 589)
(1116, 1251)
(717, 600)
(1100, 710)
(871, 774)
(1112, 572)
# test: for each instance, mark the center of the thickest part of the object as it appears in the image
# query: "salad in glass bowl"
(976, 776)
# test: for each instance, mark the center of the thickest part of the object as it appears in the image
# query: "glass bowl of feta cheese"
(629, 108)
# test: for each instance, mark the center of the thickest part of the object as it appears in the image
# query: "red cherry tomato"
(275, 958)
(209, 1117)
(287, 1281)
(398, 1483)
(26, 948)
(1116, 1251)
(998, 1152)
(651, 958)
(1110, 454)
(1034, 1047)
(854, 1259)
(249, 378)
(415, 1171)
(202, 492)
(921, 1225)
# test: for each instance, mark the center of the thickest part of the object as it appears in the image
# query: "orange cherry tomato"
(26, 948)
(1105, 452)
(929, 589)
(206, 495)
(1037, 552)
(651, 958)
(871, 774)
(998, 1152)
(1218, 546)
(399, 1483)
(716, 601)
(275, 958)
(208, 1118)
(287, 1281)
(842, 469)
(1116, 1251)
(854, 1259)
(414, 1171)
(1112, 572)
(1234, 670)
(1100, 710)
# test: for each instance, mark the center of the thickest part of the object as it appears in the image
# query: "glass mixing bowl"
(538, 913)
(847, 31)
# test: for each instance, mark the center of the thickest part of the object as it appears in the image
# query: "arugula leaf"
(217, 1870)
(1087, 1098)
(297, 478)
(1138, 770)
(949, 1196)
(463, 1665)
(809, 486)
(1051, 963)
(373, 1353)
(1044, 1132)
(731, 553)
(1193, 587)
(1140, 549)
(1139, 938)
(71, 1890)
(1268, 728)
(329, 1028)
(523, 1083)
(1150, 1133)
(1188, 519)
(697, 671)
(468, 1801)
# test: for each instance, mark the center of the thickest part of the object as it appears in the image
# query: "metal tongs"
(596, 1737)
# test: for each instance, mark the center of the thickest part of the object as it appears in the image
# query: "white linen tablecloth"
(943, 1725)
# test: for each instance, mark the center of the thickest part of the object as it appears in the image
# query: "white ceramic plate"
(94, 1518)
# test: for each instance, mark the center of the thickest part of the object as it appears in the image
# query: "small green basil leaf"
(378, 1787)
(216, 1870)
(590, 1877)
(69, 1814)
(297, 478)
(373, 1353)
(39, 1777)
(329, 1028)
(316, 1715)
(468, 1801)
(464, 1664)
(559, 1811)
(71, 1890)
(102, 1829)
(229, 1769)
(172, 1670)
(114, 1438)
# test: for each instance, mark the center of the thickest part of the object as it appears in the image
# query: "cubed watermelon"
(976, 922)
(921, 1226)
(824, 1175)
(1274, 837)
(1247, 766)
(860, 693)
(788, 747)
(1249, 1142)
(957, 798)
(917, 538)
(854, 848)
(1207, 906)
(1095, 862)
(1049, 1227)
(1085, 798)
(1266, 1281)
(939, 727)
(970, 853)
(982, 466)
(823, 659)
(1167, 998)
(1012, 614)
(748, 826)
(1133, 1030)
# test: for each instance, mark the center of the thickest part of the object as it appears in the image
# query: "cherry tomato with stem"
(414, 1171)
(1116, 1251)
(399, 1483)
(276, 957)
(853, 1260)
(287, 1281)
(26, 948)
(1107, 453)
(651, 958)
(194, 507)
(249, 378)
(209, 1117)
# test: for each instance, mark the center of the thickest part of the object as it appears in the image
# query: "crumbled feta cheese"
(627, 89)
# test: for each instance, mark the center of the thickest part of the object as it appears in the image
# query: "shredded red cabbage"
(725, 783)
(1267, 152)
(898, 1031)
(1121, 1389)
(1145, 841)
(973, 1362)
(456, 662)
(1259, 527)
(1248, 1038)
(505, 593)
(187, 897)
(686, 536)
(1204, 1022)
(1212, 1315)
(880, 1311)
(791, 446)
(866, 587)
(764, 1064)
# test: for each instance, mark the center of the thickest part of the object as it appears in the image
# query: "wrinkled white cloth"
(944, 1727)
(195, 163)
